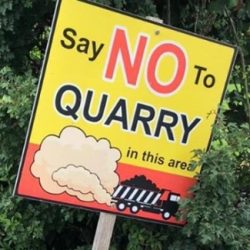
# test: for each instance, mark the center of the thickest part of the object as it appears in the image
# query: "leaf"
(218, 6)
(248, 7)
(232, 3)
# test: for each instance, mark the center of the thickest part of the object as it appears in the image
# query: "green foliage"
(16, 98)
(25, 224)
(21, 28)
(141, 8)
(218, 216)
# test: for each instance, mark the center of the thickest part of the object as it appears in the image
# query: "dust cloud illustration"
(77, 164)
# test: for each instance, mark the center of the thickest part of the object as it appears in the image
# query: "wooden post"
(104, 231)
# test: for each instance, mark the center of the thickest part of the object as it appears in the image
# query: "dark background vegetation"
(219, 214)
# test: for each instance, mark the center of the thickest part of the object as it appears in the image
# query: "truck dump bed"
(124, 192)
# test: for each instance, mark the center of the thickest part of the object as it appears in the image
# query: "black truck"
(141, 194)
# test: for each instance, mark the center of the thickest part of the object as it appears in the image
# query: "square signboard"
(122, 103)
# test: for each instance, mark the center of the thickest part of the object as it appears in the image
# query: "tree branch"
(243, 64)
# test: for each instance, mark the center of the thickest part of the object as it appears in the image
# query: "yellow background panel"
(68, 66)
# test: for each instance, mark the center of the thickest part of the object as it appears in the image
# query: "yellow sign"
(151, 91)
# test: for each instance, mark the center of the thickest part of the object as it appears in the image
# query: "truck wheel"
(121, 206)
(166, 215)
(134, 209)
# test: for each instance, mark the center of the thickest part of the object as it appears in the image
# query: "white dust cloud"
(77, 164)
(72, 178)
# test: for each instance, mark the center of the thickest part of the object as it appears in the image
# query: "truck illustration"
(140, 193)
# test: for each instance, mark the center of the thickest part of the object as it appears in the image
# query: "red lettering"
(171, 86)
(121, 50)
(131, 62)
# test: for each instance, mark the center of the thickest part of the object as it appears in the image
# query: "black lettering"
(123, 117)
(66, 34)
(68, 110)
(183, 165)
(206, 79)
(86, 109)
(188, 127)
(168, 125)
(140, 116)
(199, 73)
(161, 160)
(96, 50)
(83, 47)
(171, 163)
